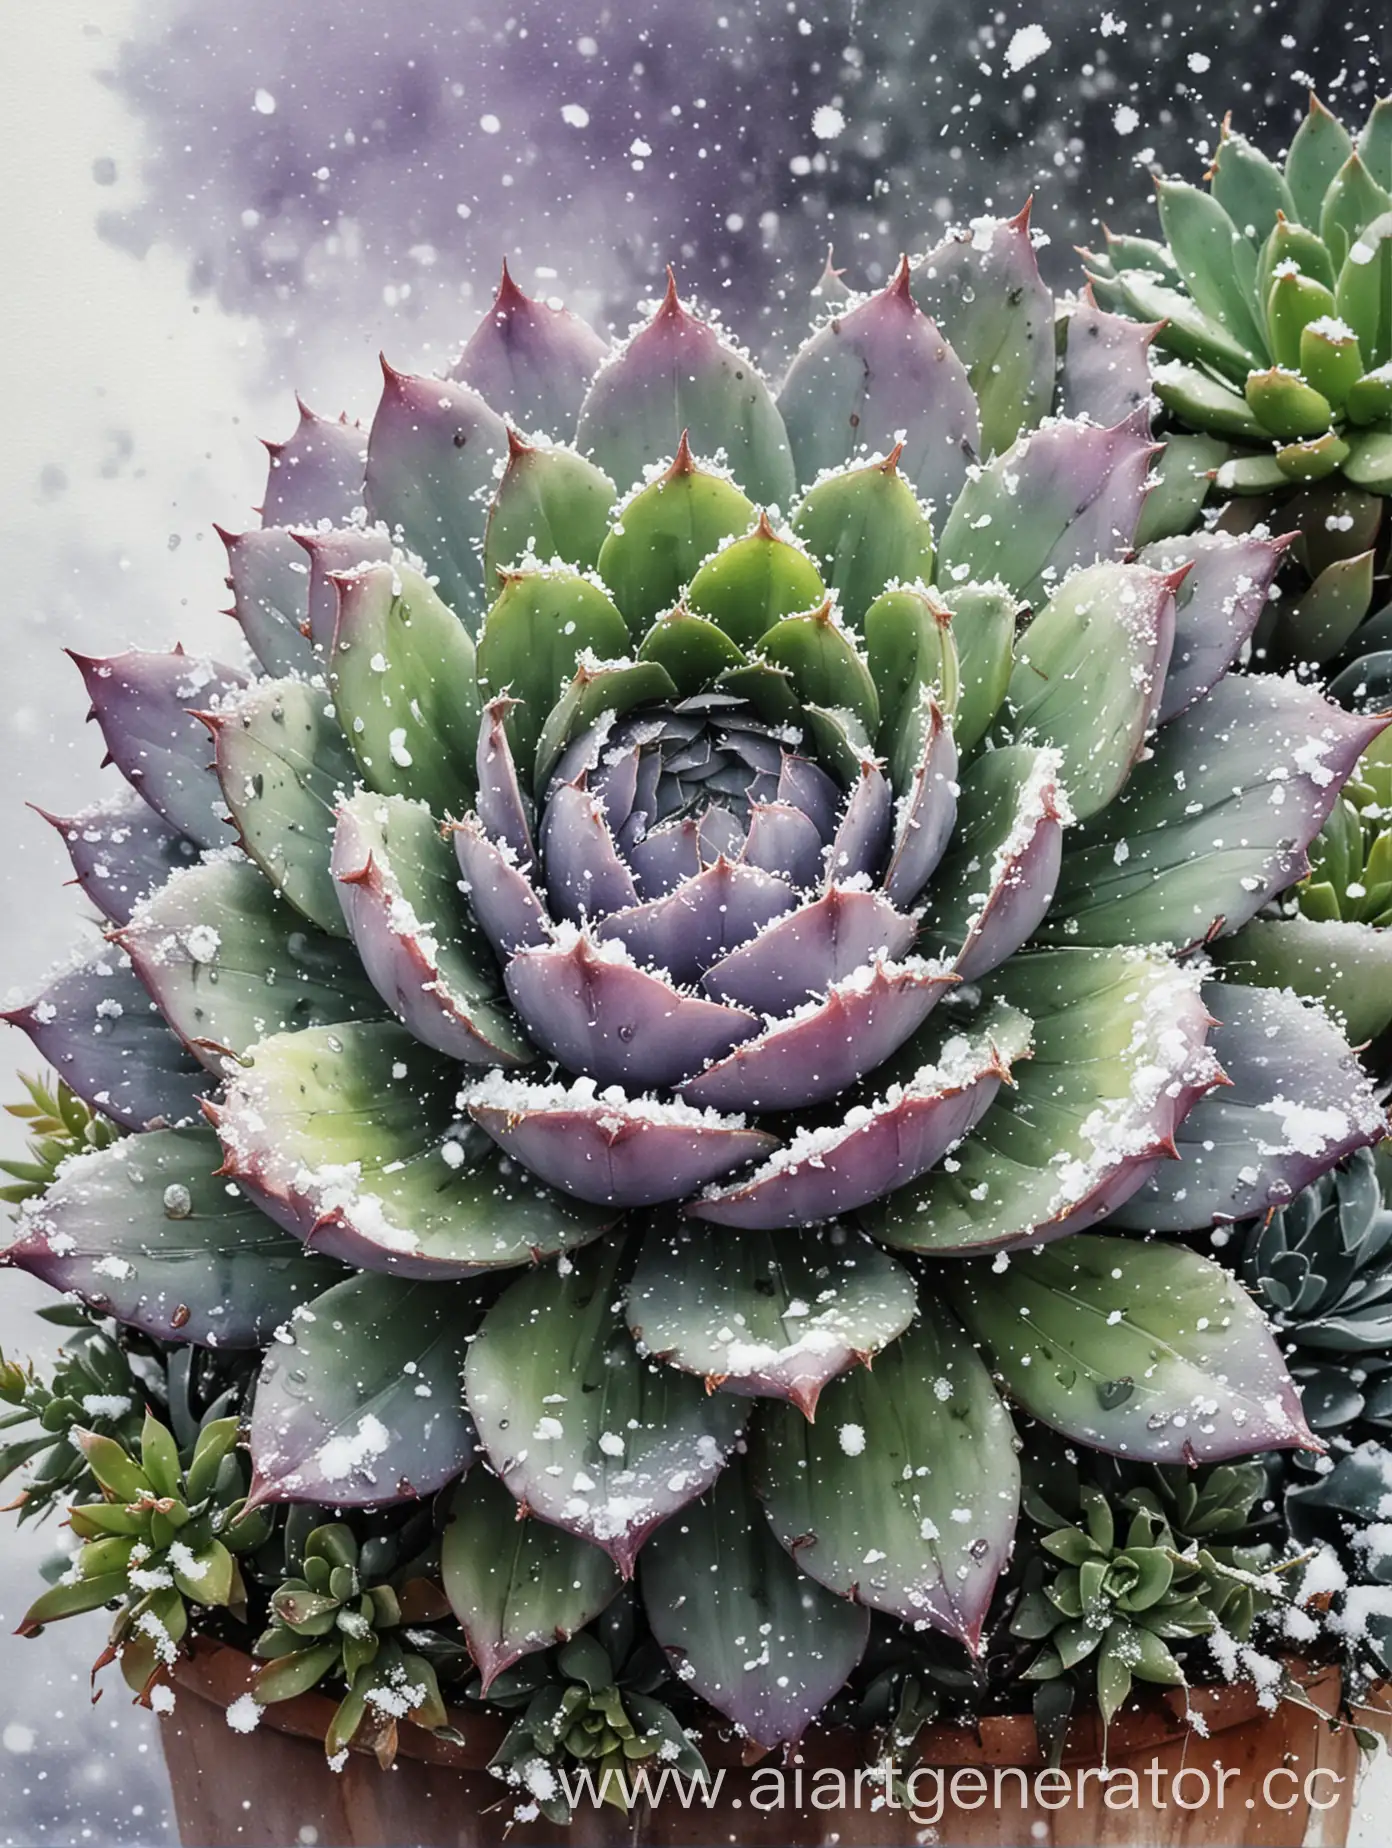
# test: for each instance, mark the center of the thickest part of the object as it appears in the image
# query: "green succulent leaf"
(865, 528)
(1188, 332)
(359, 1402)
(824, 664)
(692, 651)
(585, 1432)
(665, 533)
(351, 1136)
(770, 1314)
(613, 687)
(904, 1492)
(1345, 966)
(983, 630)
(714, 1580)
(283, 764)
(1318, 150)
(1216, 260)
(1197, 397)
(1214, 822)
(910, 651)
(1088, 675)
(1117, 1037)
(1354, 200)
(541, 623)
(1182, 476)
(404, 688)
(552, 502)
(1068, 1324)
(1323, 621)
(753, 583)
(1363, 297)
(984, 290)
(1250, 189)
(228, 961)
(516, 1585)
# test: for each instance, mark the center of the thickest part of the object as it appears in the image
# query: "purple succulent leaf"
(702, 920)
(995, 887)
(121, 850)
(430, 474)
(329, 555)
(904, 1494)
(501, 897)
(585, 878)
(397, 881)
(871, 372)
(678, 376)
(782, 840)
(607, 1148)
(269, 581)
(1066, 495)
(717, 1578)
(144, 704)
(358, 1405)
(1119, 1056)
(719, 834)
(532, 362)
(827, 1045)
(806, 786)
(99, 1030)
(665, 857)
(1140, 1348)
(1296, 1103)
(1215, 821)
(1217, 606)
(352, 1138)
(258, 969)
(767, 1315)
(803, 953)
(592, 1008)
(147, 1231)
(925, 814)
(1105, 372)
(862, 834)
(316, 474)
(983, 288)
(502, 808)
(823, 1172)
(607, 1465)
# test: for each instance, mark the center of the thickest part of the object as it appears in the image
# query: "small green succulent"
(580, 1707)
(1351, 857)
(165, 1535)
(1121, 1594)
(59, 1124)
(92, 1387)
(341, 1617)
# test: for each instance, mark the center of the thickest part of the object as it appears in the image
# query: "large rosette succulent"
(673, 917)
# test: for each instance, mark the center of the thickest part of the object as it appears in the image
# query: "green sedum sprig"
(59, 1125)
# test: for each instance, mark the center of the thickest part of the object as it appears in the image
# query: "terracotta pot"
(1287, 1779)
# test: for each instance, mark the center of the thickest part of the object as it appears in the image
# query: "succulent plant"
(579, 1707)
(1123, 1589)
(91, 1388)
(1321, 1267)
(1266, 302)
(166, 1534)
(59, 1125)
(680, 910)
(341, 1616)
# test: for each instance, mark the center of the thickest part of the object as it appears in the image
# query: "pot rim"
(219, 1674)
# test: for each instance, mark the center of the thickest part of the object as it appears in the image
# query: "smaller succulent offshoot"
(165, 1535)
(92, 1389)
(1138, 1572)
